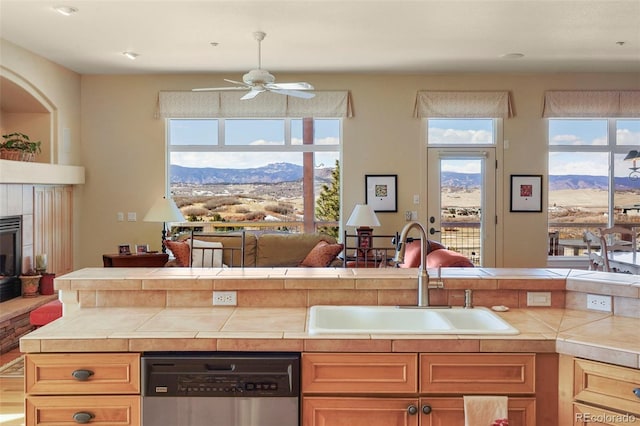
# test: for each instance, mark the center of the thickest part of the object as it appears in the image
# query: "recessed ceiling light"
(512, 56)
(131, 55)
(66, 10)
(214, 44)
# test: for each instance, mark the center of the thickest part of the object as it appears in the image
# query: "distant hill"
(287, 172)
(271, 173)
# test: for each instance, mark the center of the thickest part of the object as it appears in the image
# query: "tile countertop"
(589, 334)
(593, 335)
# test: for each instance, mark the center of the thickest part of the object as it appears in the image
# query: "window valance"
(461, 104)
(591, 103)
(188, 104)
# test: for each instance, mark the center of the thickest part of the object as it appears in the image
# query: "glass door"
(461, 208)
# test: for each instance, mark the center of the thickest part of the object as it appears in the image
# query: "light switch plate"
(538, 298)
(131, 216)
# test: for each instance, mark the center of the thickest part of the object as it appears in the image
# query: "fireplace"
(10, 256)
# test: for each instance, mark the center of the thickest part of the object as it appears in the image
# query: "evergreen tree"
(328, 204)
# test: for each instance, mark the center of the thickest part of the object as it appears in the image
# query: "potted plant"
(18, 146)
(30, 283)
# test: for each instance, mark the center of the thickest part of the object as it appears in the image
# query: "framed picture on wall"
(526, 193)
(381, 192)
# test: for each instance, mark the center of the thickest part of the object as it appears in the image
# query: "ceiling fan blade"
(241, 83)
(301, 85)
(251, 94)
(216, 89)
(294, 93)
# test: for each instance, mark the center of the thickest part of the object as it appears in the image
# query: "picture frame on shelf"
(124, 249)
(381, 192)
(142, 248)
(526, 193)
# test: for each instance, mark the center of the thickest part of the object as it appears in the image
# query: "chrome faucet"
(423, 275)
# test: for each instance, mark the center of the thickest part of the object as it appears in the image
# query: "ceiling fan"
(259, 80)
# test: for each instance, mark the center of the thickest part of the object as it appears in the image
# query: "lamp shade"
(633, 155)
(363, 215)
(164, 210)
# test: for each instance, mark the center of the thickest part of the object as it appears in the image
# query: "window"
(255, 172)
(589, 181)
(465, 131)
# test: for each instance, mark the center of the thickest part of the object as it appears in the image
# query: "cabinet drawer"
(109, 410)
(450, 411)
(606, 385)
(48, 374)
(477, 373)
(585, 415)
(323, 411)
(359, 373)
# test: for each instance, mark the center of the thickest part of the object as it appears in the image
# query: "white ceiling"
(373, 36)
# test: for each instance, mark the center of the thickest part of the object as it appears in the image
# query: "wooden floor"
(11, 395)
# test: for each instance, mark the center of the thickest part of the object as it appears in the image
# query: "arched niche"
(25, 109)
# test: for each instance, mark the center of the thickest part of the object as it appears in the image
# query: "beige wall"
(124, 154)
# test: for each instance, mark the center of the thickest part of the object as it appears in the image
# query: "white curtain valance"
(462, 104)
(188, 104)
(591, 103)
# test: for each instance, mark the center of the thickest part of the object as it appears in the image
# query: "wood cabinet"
(412, 389)
(67, 389)
(597, 393)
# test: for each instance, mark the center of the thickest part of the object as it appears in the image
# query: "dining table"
(625, 261)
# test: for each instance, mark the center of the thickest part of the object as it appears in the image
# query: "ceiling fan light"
(131, 55)
(65, 10)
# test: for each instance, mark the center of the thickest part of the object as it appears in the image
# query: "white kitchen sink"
(405, 320)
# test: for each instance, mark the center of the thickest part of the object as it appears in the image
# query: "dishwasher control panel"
(221, 374)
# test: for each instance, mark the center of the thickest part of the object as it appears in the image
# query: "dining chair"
(616, 239)
(593, 242)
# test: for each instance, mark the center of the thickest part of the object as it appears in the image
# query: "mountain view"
(271, 173)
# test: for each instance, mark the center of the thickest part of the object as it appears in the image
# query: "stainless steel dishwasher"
(220, 389)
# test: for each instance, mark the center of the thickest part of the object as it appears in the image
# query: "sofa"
(255, 249)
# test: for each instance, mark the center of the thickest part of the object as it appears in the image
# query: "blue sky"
(270, 134)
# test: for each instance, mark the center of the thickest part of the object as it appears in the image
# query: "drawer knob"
(636, 391)
(412, 409)
(82, 375)
(426, 409)
(82, 417)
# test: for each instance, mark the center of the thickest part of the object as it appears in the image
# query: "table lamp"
(363, 218)
(164, 210)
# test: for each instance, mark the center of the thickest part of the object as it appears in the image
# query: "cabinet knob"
(82, 417)
(82, 375)
(636, 391)
(412, 409)
(426, 409)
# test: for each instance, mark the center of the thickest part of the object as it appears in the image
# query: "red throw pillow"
(322, 255)
(180, 250)
(413, 250)
(447, 258)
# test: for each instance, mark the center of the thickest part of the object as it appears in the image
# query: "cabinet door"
(319, 411)
(359, 373)
(450, 412)
(479, 373)
(607, 385)
(585, 415)
(66, 374)
(108, 410)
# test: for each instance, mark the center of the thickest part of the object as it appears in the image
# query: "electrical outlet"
(538, 298)
(225, 298)
(598, 302)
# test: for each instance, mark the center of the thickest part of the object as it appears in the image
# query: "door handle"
(433, 230)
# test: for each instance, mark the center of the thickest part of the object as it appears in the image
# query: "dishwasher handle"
(222, 367)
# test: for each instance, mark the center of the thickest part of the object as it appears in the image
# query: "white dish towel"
(485, 411)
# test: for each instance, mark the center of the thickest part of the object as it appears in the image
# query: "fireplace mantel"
(40, 173)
